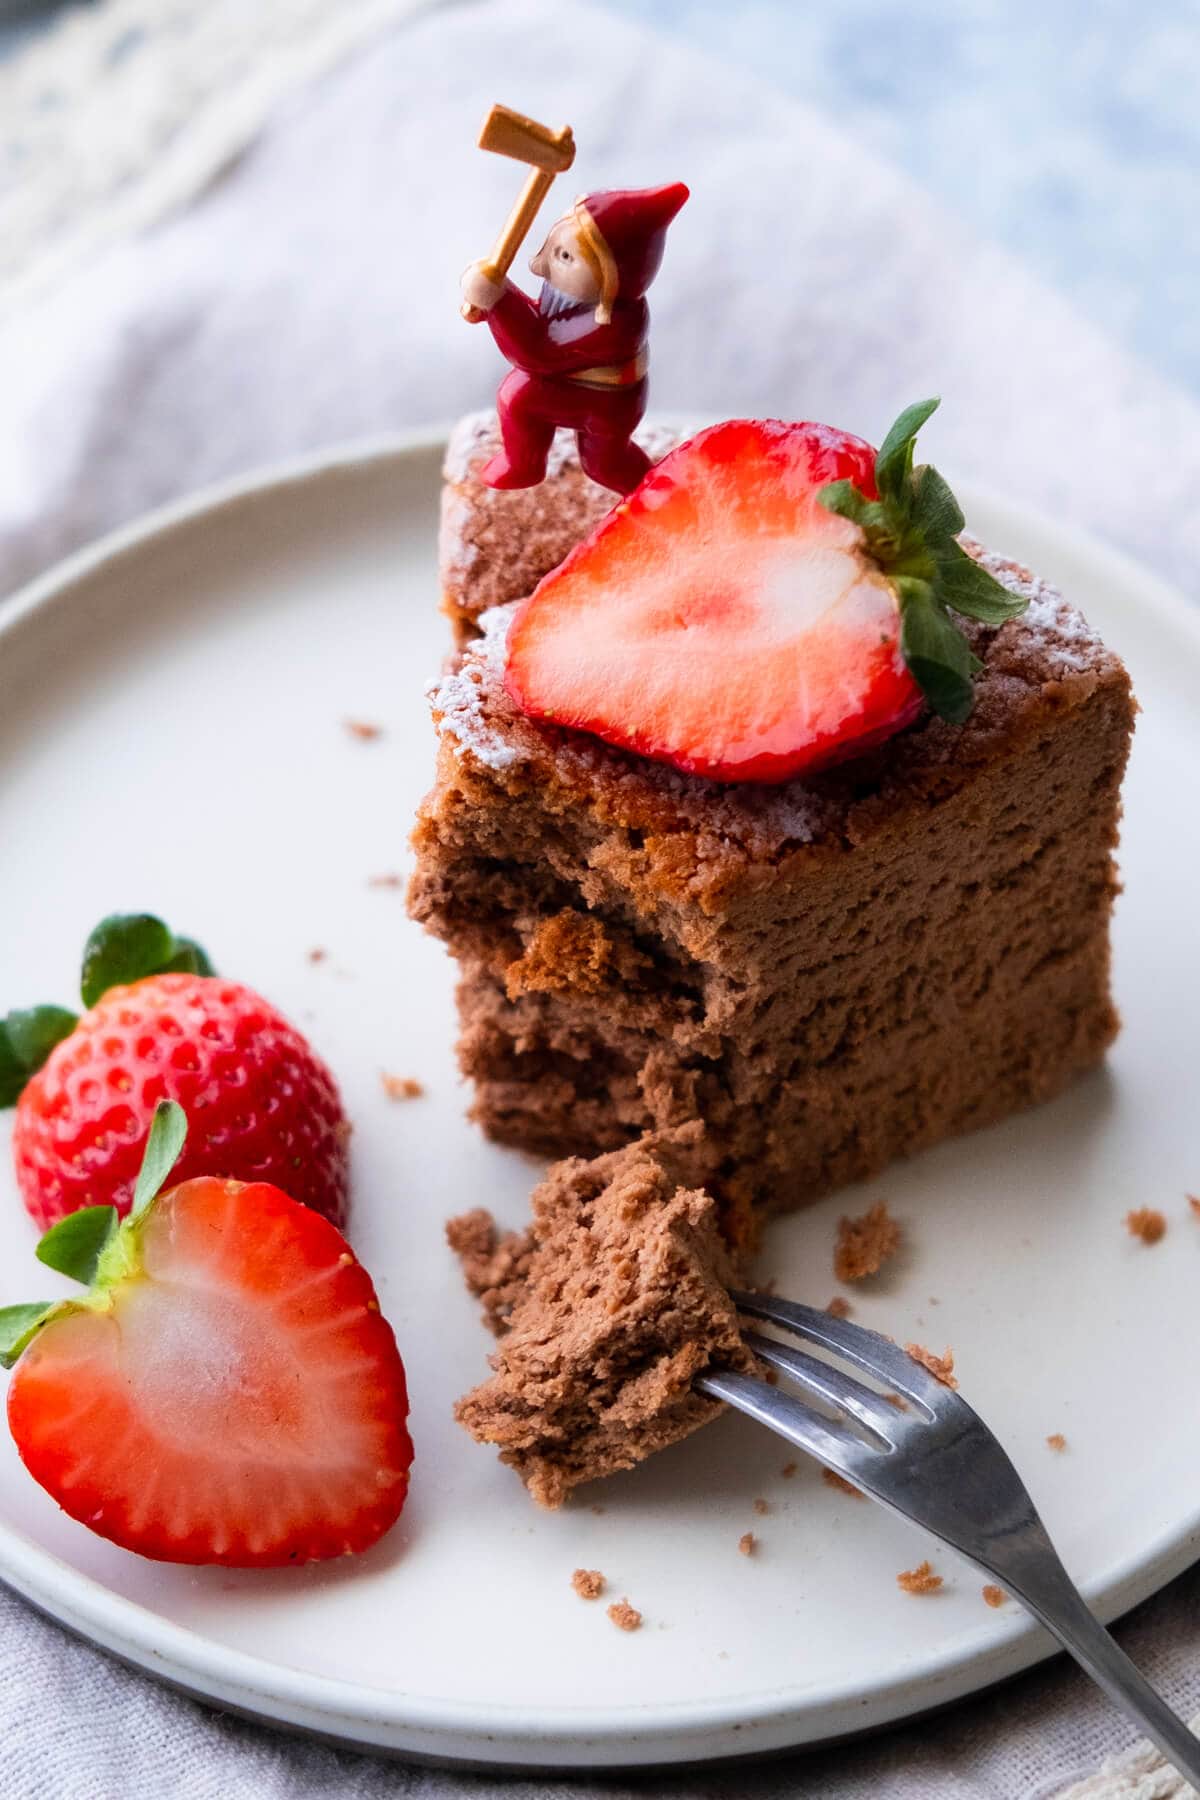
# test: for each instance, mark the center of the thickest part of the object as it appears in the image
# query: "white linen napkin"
(309, 296)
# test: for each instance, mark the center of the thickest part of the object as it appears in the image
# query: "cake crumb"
(588, 1583)
(363, 730)
(838, 1308)
(747, 1543)
(1057, 1441)
(494, 1264)
(761, 1506)
(865, 1244)
(1194, 1202)
(920, 1580)
(624, 1616)
(391, 880)
(401, 1087)
(832, 1479)
(788, 1470)
(318, 955)
(896, 1400)
(1146, 1223)
(569, 952)
(993, 1595)
(941, 1367)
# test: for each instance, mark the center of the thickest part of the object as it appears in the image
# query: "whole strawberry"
(160, 1025)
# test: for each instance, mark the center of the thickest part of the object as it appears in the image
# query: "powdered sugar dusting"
(1069, 645)
(472, 708)
(474, 434)
(456, 552)
(470, 704)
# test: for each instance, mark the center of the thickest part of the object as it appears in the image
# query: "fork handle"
(1063, 1610)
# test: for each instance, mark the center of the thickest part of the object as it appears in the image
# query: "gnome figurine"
(579, 350)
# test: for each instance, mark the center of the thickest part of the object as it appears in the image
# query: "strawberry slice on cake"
(773, 598)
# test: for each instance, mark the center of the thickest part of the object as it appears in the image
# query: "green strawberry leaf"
(12, 1070)
(935, 509)
(124, 947)
(968, 587)
(939, 657)
(911, 533)
(168, 1132)
(17, 1325)
(34, 1031)
(843, 497)
(893, 465)
(27, 1036)
(127, 947)
(75, 1245)
(189, 959)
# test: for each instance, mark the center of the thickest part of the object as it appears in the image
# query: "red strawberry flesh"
(238, 1398)
(721, 619)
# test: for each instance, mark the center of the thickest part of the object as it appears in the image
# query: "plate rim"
(356, 1712)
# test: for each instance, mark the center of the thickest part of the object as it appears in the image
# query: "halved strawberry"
(771, 599)
(226, 1392)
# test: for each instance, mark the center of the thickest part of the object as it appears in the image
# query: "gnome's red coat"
(551, 350)
(535, 399)
(570, 341)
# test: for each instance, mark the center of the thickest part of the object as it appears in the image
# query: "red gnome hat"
(623, 232)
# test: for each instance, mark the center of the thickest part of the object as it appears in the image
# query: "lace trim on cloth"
(1137, 1774)
(128, 108)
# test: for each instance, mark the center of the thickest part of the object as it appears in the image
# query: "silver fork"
(937, 1464)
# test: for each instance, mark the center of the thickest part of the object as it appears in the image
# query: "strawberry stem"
(91, 1245)
(911, 533)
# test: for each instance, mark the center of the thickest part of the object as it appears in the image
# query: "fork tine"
(867, 1350)
(831, 1385)
(830, 1443)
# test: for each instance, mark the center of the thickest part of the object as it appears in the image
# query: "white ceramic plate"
(171, 737)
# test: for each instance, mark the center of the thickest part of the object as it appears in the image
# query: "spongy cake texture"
(830, 973)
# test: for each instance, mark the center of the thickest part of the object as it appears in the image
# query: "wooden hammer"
(549, 153)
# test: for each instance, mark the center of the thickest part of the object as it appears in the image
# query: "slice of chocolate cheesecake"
(832, 972)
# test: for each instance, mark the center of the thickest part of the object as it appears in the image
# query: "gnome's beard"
(552, 302)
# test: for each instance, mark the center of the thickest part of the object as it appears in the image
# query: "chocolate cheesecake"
(833, 972)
